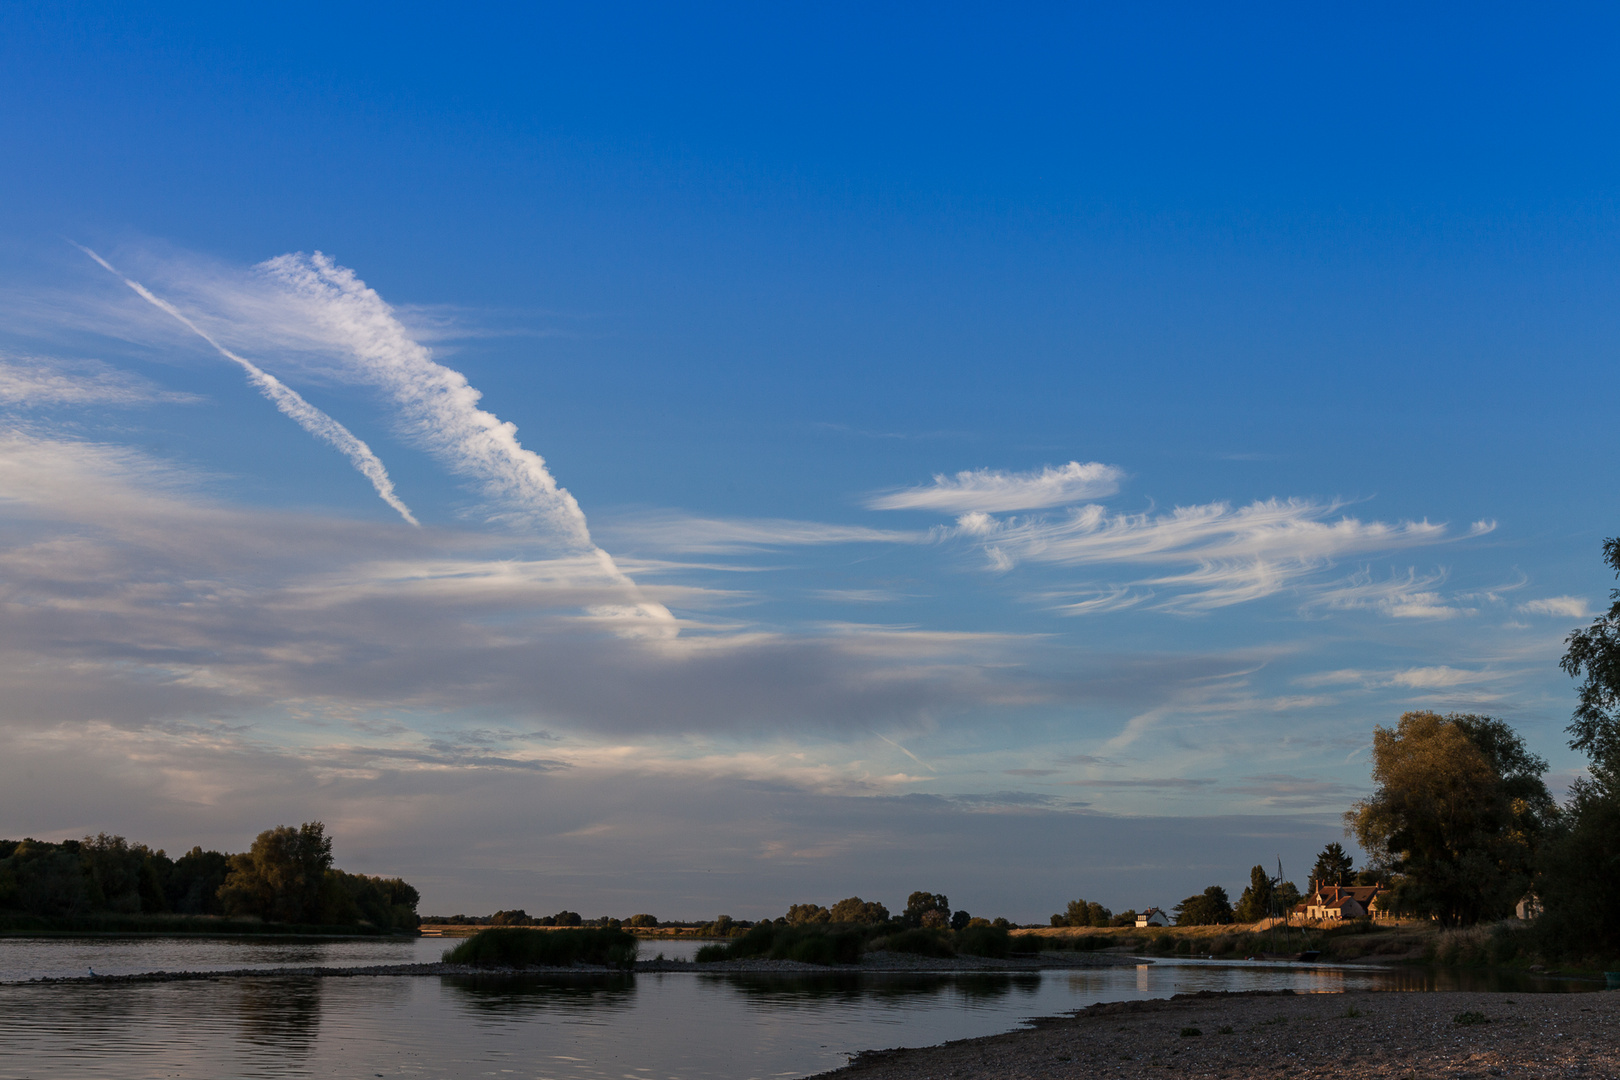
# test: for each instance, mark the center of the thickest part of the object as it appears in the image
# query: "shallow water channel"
(630, 1027)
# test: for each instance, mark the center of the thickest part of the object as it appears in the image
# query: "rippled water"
(645, 1027)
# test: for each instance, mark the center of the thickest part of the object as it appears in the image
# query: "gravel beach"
(1357, 1035)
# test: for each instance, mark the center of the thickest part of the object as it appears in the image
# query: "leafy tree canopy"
(1209, 908)
(927, 909)
(1595, 654)
(1459, 812)
(863, 912)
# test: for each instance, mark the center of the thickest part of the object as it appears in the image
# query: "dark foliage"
(927, 909)
(859, 912)
(1209, 908)
(1595, 653)
(1333, 867)
(514, 947)
(282, 877)
(1580, 864)
(809, 943)
(515, 917)
(983, 941)
(1459, 814)
(279, 881)
(1083, 913)
(919, 941)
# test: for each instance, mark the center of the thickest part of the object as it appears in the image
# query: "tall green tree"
(1593, 655)
(282, 877)
(927, 909)
(1259, 899)
(1333, 866)
(1209, 908)
(1581, 863)
(1459, 813)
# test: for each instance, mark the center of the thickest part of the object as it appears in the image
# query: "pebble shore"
(1365, 1035)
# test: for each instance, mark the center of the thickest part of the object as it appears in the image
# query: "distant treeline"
(924, 910)
(286, 877)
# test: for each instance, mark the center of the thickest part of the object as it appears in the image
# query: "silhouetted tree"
(1581, 862)
(281, 878)
(927, 909)
(1209, 908)
(806, 914)
(1333, 866)
(862, 912)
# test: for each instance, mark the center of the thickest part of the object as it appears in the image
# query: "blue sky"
(1018, 454)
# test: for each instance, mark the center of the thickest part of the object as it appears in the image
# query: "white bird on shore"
(92, 971)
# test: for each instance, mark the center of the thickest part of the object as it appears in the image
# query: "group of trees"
(287, 876)
(1463, 827)
(852, 910)
(1090, 913)
(1458, 816)
(924, 910)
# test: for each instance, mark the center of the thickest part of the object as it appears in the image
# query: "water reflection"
(283, 1014)
(673, 1025)
(508, 993)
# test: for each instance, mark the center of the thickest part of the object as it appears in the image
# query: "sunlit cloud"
(1564, 607)
(993, 491)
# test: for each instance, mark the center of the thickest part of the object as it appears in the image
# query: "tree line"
(286, 876)
(1461, 828)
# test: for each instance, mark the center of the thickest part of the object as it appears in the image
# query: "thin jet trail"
(284, 397)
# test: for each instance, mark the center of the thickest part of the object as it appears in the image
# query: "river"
(649, 1026)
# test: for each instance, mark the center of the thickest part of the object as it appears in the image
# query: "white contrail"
(441, 409)
(285, 398)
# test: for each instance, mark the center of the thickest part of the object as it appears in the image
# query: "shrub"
(1024, 944)
(920, 942)
(983, 941)
(811, 943)
(510, 946)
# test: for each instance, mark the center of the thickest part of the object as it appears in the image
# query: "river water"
(658, 1026)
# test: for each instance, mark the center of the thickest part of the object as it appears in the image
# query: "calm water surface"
(669, 1026)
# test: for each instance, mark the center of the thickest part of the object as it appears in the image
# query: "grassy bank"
(104, 925)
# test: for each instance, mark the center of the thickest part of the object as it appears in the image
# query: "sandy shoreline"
(1360, 1034)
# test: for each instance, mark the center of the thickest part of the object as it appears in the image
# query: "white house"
(1152, 917)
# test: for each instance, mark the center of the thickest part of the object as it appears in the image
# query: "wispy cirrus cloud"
(995, 491)
(1400, 597)
(35, 381)
(1215, 554)
(691, 534)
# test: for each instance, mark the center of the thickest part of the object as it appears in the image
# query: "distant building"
(1528, 908)
(1152, 917)
(1338, 902)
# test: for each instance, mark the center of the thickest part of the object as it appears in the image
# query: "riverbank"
(1238, 1036)
(880, 963)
